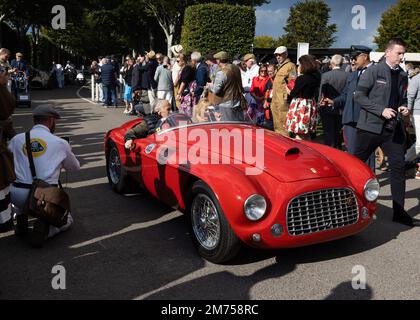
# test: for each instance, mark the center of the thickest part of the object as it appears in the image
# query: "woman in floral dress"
(302, 117)
(187, 85)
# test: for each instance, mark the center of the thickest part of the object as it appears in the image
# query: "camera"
(391, 124)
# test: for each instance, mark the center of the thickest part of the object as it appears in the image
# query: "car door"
(160, 169)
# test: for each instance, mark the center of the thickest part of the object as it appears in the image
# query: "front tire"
(210, 230)
(116, 172)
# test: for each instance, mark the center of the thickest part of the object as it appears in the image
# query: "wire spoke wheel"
(114, 166)
(205, 222)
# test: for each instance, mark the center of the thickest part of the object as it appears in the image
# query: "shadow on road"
(345, 291)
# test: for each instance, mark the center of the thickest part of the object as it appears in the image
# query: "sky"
(271, 18)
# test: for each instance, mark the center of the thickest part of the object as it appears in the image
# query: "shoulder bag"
(45, 201)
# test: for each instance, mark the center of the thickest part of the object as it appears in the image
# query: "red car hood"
(284, 159)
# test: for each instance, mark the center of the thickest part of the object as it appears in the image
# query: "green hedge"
(218, 27)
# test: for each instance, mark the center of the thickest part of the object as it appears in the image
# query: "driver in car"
(152, 123)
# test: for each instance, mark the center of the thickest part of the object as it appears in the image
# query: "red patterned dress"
(302, 117)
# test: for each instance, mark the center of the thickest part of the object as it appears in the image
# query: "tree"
(401, 20)
(170, 13)
(308, 22)
(206, 28)
(265, 42)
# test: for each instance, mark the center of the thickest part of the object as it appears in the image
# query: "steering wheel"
(174, 120)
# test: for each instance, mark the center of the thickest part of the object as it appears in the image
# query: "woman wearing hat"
(7, 173)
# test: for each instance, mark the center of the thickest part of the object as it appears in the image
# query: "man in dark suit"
(201, 75)
(136, 82)
(332, 85)
(148, 79)
(350, 108)
(109, 80)
(382, 95)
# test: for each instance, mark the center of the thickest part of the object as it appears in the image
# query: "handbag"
(185, 92)
(45, 201)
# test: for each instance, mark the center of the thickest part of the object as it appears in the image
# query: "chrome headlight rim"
(368, 188)
(252, 199)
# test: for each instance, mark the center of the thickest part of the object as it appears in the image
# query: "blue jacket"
(20, 65)
(108, 74)
(202, 77)
(345, 101)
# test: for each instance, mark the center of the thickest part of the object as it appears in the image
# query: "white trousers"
(101, 92)
(414, 151)
(165, 95)
(152, 98)
(19, 197)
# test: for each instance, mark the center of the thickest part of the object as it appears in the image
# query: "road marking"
(80, 97)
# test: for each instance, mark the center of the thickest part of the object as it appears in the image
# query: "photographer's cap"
(46, 110)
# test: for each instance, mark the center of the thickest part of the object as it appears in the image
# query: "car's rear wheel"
(210, 230)
(117, 175)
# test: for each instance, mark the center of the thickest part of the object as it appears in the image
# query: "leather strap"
(31, 159)
(29, 152)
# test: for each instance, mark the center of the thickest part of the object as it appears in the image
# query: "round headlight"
(372, 190)
(255, 207)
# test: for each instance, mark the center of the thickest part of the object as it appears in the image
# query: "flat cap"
(222, 55)
(280, 50)
(46, 110)
(248, 56)
(356, 50)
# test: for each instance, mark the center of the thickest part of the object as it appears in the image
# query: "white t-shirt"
(249, 75)
(50, 154)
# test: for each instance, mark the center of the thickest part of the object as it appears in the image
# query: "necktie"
(360, 72)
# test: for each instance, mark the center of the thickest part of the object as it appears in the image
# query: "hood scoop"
(292, 151)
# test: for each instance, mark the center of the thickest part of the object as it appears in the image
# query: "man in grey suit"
(332, 85)
(350, 108)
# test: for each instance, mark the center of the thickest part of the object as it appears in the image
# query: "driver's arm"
(138, 132)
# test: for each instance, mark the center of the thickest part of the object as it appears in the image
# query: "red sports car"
(241, 184)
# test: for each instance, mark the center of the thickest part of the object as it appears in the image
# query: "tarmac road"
(136, 248)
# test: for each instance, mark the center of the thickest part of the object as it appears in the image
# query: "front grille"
(322, 210)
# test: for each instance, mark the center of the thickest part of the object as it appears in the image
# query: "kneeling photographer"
(37, 168)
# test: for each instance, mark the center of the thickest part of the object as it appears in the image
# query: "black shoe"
(39, 234)
(406, 220)
(7, 226)
(21, 228)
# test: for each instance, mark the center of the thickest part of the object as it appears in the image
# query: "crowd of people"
(371, 103)
(361, 105)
